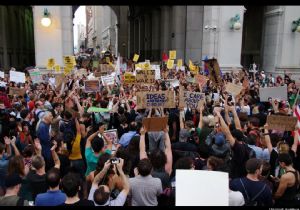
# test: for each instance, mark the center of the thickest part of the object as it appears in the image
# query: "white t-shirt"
(236, 198)
(119, 201)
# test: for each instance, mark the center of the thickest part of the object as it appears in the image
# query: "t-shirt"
(92, 159)
(37, 183)
(119, 201)
(50, 198)
(83, 202)
(253, 188)
(13, 200)
(238, 161)
(144, 190)
(76, 152)
(236, 198)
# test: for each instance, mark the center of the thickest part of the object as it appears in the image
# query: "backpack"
(68, 130)
(252, 201)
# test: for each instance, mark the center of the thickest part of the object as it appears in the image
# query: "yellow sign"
(129, 78)
(147, 66)
(139, 65)
(68, 61)
(107, 59)
(179, 63)
(57, 68)
(172, 54)
(194, 70)
(73, 60)
(51, 63)
(67, 70)
(135, 57)
(170, 64)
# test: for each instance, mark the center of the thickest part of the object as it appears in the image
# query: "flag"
(297, 114)
(165, 57)
(117, 70)
(206, 71)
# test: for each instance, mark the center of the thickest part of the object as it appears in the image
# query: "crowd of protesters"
(53, 152)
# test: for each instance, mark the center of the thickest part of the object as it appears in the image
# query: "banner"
(17, 77)
(155, 123)
(108, 80)
(210, 186)
(35, 75)
(50, 63)
(97, 109)
(73, 59)
(170, 64)
(16, 91)
(172, 54)
(273, 92)
(165, 99)
(129, 78)
(202, 80)
(135, 57)
(91, 86)
(233, 88)
(281, 122)
(179, 63)
(190, 99)
(145, 76)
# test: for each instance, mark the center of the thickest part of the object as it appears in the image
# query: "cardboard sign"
(145, 76)
(35, 75)
(135, 57)
(281, 122)
(210, 186)
(81, 72)
(16, 91)
(91, 86)
(17, 77)
(273, 92)
(214, 71)
(108, 80)
(1, 74)
(190, 99)
(170, 64)
(95, 64)
(129, 78)
(233, 89)
(50, 63)
(112, 135)
(164, 99)
(106, 69)
(155, 123)
(194, 70)
(179, 63)
(201, 80)
(172, 54)
(172, 82)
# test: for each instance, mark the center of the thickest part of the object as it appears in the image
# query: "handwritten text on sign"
(190, 99)
(145, 76)
(157, 99)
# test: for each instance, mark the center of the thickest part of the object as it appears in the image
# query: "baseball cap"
(12, 180)
(220, 139)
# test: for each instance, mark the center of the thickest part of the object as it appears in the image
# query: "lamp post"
(235, 22)
(46, 21)
(212, 28)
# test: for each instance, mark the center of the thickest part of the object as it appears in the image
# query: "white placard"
(273, 92)
(18, 77)
(2, 84)
(108, 80)
(2, 74)
(202, 188)
(157, 71)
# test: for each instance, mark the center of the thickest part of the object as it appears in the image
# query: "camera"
(114, 160)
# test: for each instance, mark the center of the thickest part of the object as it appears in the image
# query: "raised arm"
(267, 138)
(90, 138)
(102, 173)
(55, 156)
(168, 152)
(296, 140)
(13, 144)
(226, 130)
(201, 108)
(235, 118)
(226, 108)
(80, 108)
(126, 186)
(7, 145)
(143, 153)
(181, 117)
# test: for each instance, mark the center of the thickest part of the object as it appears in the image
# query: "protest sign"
(97, 109)
(108, 80)
(106, 69)
(157, 71)
(155, 99)
(57, 68)
(210, 186)
(201, 79)
(95, 64)
(73, 59)
(136, 57)
(145, 76)
(81, 72)
(273, 92)
(155, 123)
(214, 71)
(191, 80)
(233, 88)
(59, 79)
(172, 54)
(179, 63)
(68, 60)
(16, 91)
(50, 63)
(172, 82)
(35, 75)
(18, 77)
(129, 78)
(112, 135)
(282, 123)
(1, 74)
(170, 64)
(91, 86)
(190, 99)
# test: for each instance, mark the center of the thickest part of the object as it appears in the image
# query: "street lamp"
(235, 22)
(46, 21)
(212, 28)
(296, 25)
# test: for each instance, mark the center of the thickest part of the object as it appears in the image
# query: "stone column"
(165, 29)
(147, 36)
(4, 40)
(281, 45)
(225, 44)
(142, 37)
(155, 35)
(56, 40)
